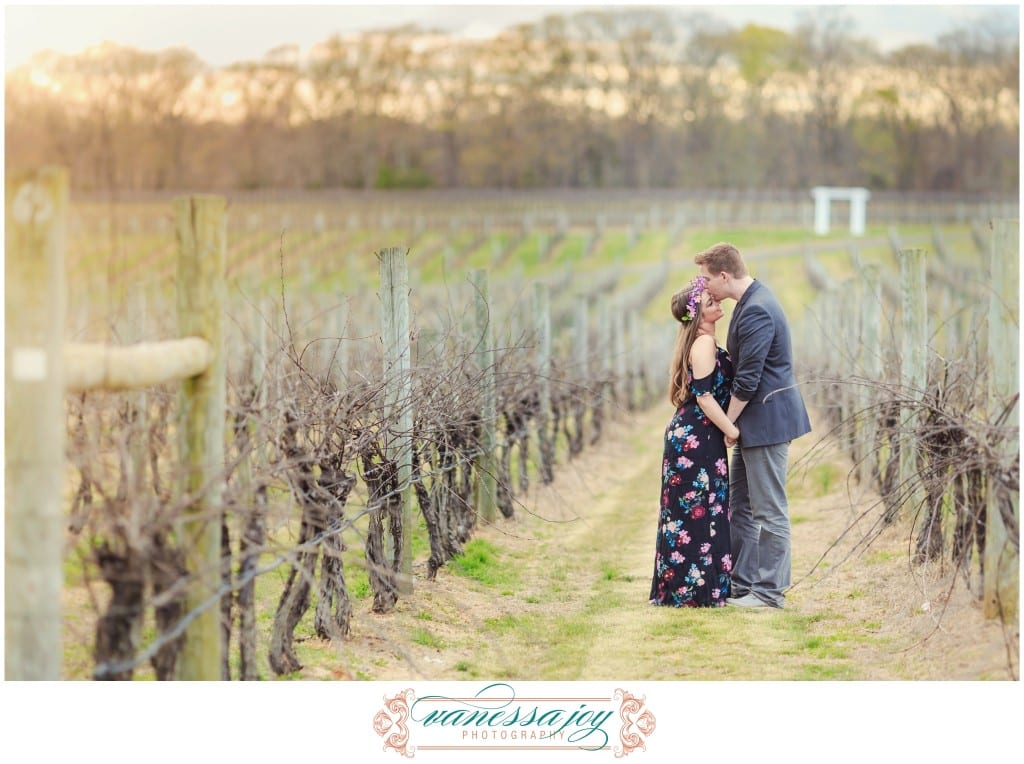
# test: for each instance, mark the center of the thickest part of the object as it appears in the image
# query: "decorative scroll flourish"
(390, 721)
(637, 723)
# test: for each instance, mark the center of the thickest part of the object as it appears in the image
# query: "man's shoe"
(747, 600)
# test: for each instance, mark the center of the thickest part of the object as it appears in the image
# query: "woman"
(693, 557)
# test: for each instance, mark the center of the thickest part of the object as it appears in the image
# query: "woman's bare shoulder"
(705, 342)
(704, 346)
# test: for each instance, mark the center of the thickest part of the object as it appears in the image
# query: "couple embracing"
(723, 532)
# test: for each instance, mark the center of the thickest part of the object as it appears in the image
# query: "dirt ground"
(582, 550)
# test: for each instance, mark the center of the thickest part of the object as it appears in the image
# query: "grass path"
(560, 593)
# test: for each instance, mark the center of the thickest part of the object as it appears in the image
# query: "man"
(767, 407)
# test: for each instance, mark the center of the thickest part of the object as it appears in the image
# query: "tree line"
(637, 98)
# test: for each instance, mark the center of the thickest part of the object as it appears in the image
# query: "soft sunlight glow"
(42, 80)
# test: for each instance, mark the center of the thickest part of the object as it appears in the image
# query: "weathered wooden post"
(634, 360)
(138, 426)
(447, 260)
(202, 250)
(542, 246)
(250, 436)
(341, 348)
(487, 488)
(36, 224)
(845, 336)
(618, 383)
(914, 362)
(870, 365)
(581, 333)
(394, 295)
(829, 351)
(1002, 556)
(545, 438)
(601, 403)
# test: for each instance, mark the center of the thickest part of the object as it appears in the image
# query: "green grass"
(819, 480)
(649, 246)
(878, 556)
(570, 249)
(614, 244)
(421, 636)
(528, 253)
(504, 624)
(480, 561)
(358, 583)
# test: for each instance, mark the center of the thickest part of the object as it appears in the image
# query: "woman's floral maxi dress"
(693, 557)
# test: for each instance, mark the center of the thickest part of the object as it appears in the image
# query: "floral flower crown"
(696, 288)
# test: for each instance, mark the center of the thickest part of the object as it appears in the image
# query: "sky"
(227, 33)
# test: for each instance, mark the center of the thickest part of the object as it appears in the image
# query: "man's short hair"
(722, 257)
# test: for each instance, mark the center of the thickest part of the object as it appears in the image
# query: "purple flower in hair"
(696, 287)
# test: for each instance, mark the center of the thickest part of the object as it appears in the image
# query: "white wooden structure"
(823, 198)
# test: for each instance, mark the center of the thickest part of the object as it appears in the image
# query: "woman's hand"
(731, 438)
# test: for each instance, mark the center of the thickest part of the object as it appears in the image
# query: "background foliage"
(638, 98)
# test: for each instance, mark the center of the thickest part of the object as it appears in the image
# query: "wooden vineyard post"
(138, 417)
(632, 360)
(341, 347)
(394, 295)
(601, 395)
(914, 362)
(487, 487)
(870, 366)
(607, 344)
(581, 335)
(545, 438)
(845, 336)
(1002, 556)
(36, 226)
(249, 437)
(201, 288)
(618, 356)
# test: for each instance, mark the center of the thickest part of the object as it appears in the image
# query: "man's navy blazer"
(762, 355)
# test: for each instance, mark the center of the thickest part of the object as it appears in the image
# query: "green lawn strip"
(614, 243)
(527, 253)
(451, 269)
(428, 247)
(489, 250)
(649, 247)
(569, 250)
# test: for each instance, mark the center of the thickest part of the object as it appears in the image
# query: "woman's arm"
(703, 357)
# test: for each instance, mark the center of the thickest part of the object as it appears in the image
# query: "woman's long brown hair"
(678, 387)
